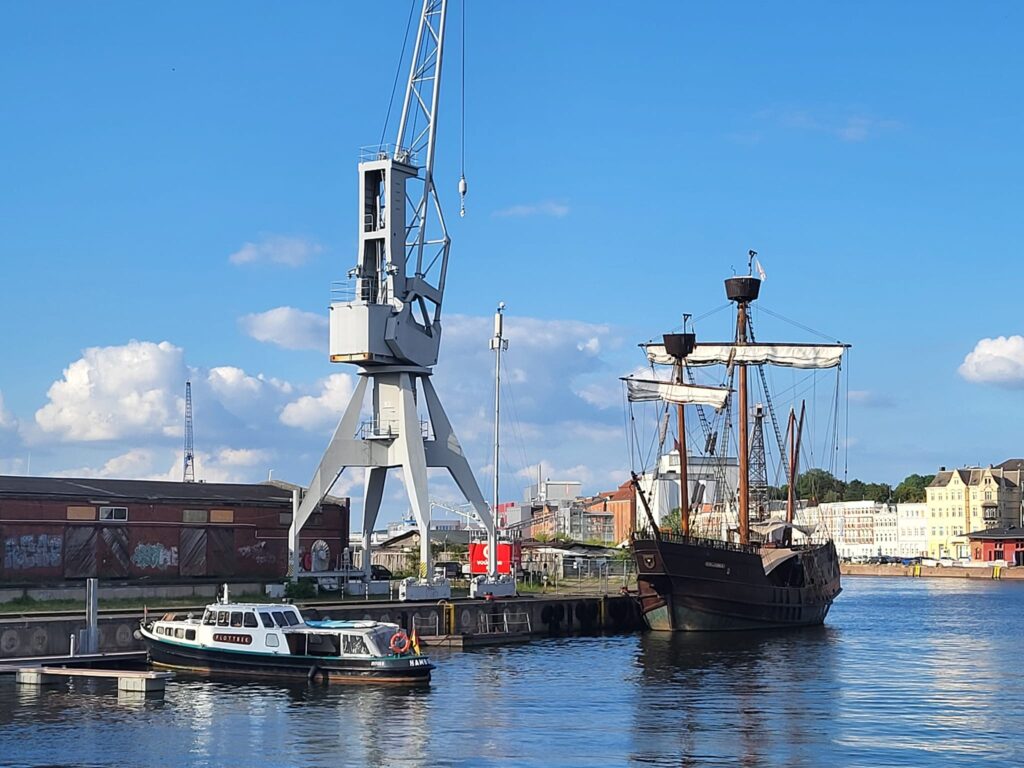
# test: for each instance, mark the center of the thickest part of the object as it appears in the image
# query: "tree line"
(818, 486)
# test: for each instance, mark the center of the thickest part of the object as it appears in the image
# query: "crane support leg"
(373, 492)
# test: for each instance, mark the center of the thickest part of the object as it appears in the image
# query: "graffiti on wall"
(155, 556)
(32, 551)
(258, 552)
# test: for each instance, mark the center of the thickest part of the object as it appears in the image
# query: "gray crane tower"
(391, 329)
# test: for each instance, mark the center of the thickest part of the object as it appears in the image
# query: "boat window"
(209, 618)
(190, 634)
(236, 618)
(267, 620)
(159, 630)
(179, 632)
(355, 644)
(272, 641)
(279, 619)
(222, 618)
(293, 618)
(249, 619)
(322, 645)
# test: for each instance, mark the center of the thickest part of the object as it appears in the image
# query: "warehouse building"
(56, 529)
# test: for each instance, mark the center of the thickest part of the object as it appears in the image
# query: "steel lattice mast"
(391, 325)
(189, 474)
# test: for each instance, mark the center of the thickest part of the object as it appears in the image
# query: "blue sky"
(620, 162)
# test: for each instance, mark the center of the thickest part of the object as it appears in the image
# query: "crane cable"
(398, 74)
(463, 186)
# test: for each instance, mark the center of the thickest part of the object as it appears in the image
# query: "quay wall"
(1000, 573)
(555, 615)
(202, 592)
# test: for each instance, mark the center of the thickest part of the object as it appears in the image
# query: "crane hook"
(463, 189)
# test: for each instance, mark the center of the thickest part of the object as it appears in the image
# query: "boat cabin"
(277, 629)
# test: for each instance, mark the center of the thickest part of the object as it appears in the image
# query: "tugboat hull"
(689, 584)
(402, 670)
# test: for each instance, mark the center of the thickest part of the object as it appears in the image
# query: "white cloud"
(844, 124)
(996, 361)
(317, 412)
(242, 457)
(7, 420)
(553, 208)
(115, 392)
(277, 249)
(287, 327)
(870, 399)
(166, 465)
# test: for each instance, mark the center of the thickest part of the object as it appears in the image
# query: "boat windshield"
(381, 637)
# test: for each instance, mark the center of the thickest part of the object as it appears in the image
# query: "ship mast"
(679, 345)
(743, 290)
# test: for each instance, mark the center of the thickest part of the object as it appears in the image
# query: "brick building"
(57, 529)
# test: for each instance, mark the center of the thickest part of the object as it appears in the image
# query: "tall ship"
(737, 561)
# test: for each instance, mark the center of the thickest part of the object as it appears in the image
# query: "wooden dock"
(127, 680)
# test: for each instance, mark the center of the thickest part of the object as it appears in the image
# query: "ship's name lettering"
(710, 564)
(222, 637)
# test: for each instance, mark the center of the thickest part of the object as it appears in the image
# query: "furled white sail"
(785, 355)
(641, 390)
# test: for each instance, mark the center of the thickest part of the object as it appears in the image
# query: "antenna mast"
(189, 474)
(499, 343)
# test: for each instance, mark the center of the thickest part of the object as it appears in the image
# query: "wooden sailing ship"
(745, 578)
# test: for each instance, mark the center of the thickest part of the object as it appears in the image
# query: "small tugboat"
(273, 640)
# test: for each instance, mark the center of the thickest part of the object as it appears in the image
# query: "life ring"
(400, 642)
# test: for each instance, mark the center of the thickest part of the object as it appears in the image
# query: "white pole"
(498, 343)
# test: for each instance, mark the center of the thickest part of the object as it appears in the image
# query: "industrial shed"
(58, 529)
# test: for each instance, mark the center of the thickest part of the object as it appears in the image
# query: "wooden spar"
(744, 450)
(791, 480)
(795, 461)
(647, 509)
(796, 430)
(684, 485)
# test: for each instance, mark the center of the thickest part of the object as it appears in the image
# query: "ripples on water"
(906, 672)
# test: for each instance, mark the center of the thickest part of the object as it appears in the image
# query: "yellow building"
(961, 501)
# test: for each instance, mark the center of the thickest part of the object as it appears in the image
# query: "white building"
(703, 475)
(912, 527)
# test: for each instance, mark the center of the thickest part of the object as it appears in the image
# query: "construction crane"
(189, 474)
(390, 327)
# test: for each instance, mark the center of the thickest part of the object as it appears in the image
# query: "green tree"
(912, 488)
(819, 485)
(855, 491)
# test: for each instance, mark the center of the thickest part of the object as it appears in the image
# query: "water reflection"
(906, 672)
(752, 698)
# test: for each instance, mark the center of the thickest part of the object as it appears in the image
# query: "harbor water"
(905, 672)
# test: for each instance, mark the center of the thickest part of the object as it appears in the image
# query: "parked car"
(380, 573)
(448, 569)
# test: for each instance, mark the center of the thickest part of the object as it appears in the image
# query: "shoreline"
(988, 572)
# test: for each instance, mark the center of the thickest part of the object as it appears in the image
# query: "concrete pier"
(127, 680)
(470, 620)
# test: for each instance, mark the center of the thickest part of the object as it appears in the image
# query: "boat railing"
(679, 538)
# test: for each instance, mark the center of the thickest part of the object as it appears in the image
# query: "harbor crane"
(390, 327)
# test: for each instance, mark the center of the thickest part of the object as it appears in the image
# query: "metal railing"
(385, 151)
(426, 625)
(505, 622)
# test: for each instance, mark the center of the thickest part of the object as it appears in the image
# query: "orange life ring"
(400, 642)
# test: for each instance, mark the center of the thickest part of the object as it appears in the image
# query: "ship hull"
(216, 662)
(688, 584)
